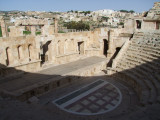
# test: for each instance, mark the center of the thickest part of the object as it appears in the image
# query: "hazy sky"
(66, 5)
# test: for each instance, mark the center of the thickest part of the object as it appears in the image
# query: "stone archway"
(9, 56)
(30, 52)
(20, 52)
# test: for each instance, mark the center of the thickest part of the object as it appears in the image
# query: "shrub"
(77, 25)
(26, 32)
(61, 32)
(38, 33)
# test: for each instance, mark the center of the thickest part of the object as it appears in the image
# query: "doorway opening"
(81, 47)
(138, 22)
(44, 55)
(105, 48)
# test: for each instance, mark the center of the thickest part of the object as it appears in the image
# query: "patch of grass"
(8, 30)
(38, 33)
(61, 32)
(26, 32)
(0, 32)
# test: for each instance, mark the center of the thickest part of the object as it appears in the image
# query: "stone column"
(42, 30)
(3, 27)
(33, 30)
(110, 51)
(55, 25)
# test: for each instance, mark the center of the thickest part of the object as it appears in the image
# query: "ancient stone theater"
(99, 74)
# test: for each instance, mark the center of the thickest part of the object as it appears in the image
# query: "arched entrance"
(105, 48)
(30, 52)
(20, 52)
(8, 55)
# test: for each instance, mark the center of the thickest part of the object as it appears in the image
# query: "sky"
(84, 5)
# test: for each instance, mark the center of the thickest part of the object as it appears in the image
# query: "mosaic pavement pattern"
(96, 98)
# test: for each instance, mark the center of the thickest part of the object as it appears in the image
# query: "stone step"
(144, 70)
(141, 89)
(136, 71)
(145, 46)
(135, 56)
(132, 64)
(155, 82)
(138, 86)
(143, 51)
(141, 54)
(152, 65)
(148, 40)
(138, 35)
(153, 44)
(148, 83)
(149, 66)
(157, 76)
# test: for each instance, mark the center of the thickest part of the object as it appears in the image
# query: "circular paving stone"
(96, 98)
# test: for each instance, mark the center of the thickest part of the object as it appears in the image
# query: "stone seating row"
(144, 71)
(139, 65)
(140, 75)
(151, 48)
(138, 85)
(132, 49)
(137, 75)
(140, 55)
(135, 63)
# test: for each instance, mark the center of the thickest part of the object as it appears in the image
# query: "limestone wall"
(3, 27)
(31, 21)
(149, 26)
(25, 52)
(19, 52)
(16, 31)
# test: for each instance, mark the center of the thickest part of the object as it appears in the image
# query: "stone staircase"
(139, 66)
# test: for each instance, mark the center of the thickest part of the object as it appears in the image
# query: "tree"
(121, 23)
(86, 12)
(124, 11)
(77, 25)
(104, 18)
(132, 11)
